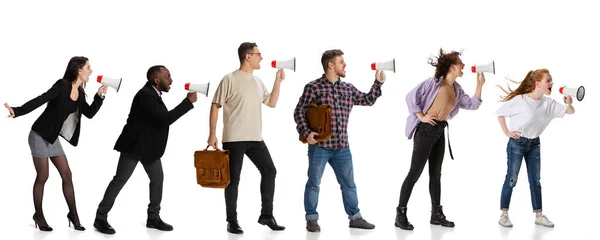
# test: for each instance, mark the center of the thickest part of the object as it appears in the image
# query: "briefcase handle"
(206, 149)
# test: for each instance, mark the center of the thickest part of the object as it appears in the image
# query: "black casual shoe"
(313, 226)
(401, 219)
(438, 217)
(270, 221)
(234, 227)
(103, 226)
(361, 223)
(158, 223)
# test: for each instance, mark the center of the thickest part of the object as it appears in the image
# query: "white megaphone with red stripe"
(201, 88)
(577, 93)
(287, 64)
(489, 67)
(111, 82)
(389, 65)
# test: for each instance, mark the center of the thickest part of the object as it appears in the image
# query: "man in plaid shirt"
(341, 96)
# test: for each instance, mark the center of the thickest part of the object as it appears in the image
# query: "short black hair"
(245, 48)
(328, 56)
(152, 71)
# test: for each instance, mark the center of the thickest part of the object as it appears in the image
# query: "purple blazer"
(421, 97)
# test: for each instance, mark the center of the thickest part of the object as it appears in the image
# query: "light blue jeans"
(341, 161)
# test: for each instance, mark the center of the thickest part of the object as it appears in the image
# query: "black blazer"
(49, 124)
(147, 128)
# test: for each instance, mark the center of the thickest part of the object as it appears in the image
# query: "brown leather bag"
(319, 120)
(212, 168)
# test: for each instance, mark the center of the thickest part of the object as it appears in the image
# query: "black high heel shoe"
(46, 228)
(77, 227)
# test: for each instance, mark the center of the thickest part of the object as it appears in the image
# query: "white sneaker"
(505, 221)
(543, 221)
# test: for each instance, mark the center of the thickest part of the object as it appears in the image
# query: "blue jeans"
(516, 150)
(341, 162)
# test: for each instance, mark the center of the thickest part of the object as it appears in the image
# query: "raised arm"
(274, 96)
(368, 99)
(152, 108)
(468, 102)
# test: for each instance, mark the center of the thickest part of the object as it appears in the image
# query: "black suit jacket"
(147, 128)
(49, 124)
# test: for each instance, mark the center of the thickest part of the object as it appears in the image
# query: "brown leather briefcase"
(212, 168)
(319, 120)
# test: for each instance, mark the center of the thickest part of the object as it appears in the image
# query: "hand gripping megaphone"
(389, 65)
(490, 67)
(573, 92)
(111, 82)
(287, 64)
(201, 88)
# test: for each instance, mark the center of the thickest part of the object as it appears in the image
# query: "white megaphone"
(389, 65)
(201, 88)
(288, 64)
(490, 67)
(111, 82)
(576, 93)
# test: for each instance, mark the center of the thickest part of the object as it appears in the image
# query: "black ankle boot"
(401, 220)
(438, 217)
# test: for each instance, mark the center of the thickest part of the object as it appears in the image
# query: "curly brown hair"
(525, 86)
(443, 62)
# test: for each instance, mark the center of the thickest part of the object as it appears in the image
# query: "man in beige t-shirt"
(241, 94)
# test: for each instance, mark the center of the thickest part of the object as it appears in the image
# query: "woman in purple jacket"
(431, 104)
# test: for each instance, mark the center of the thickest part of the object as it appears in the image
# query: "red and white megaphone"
(490, 67)
(577, 93)
(389, 65)
(201, 88)
(287, 64)
(111, 82)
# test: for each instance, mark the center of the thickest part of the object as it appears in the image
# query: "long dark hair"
(525, 86)
(443, 62)
(72, 71)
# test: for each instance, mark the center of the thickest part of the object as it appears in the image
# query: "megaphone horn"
(201, 88)
(111, 82)
(288, 64)
(578, 93)
(490, 67)
(389, 65)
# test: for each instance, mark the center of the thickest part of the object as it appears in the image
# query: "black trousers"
(259, 154)
(428, 144)
(125, 167)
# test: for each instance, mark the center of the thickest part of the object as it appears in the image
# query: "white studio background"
(198, 42)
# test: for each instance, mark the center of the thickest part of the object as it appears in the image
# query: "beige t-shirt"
(241, 95)
(444, 102)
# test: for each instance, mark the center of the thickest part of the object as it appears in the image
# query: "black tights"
(42, 169)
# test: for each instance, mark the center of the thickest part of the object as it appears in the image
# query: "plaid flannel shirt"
(341, 96)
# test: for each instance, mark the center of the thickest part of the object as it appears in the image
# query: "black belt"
(445, 124)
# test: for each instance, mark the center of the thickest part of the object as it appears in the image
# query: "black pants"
(259, 154)
(125, 167)
(428, 144)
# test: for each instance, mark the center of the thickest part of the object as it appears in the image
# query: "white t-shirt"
(242, 95)
(529, 116)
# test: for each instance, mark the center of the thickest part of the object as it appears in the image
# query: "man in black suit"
(144, 139)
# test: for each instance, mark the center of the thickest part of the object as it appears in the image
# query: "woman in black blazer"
(62, 117)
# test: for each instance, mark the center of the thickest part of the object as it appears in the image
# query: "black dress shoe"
(158, 224)
(234, 227)
(103, 226)
(270, 221)
(36, 221)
